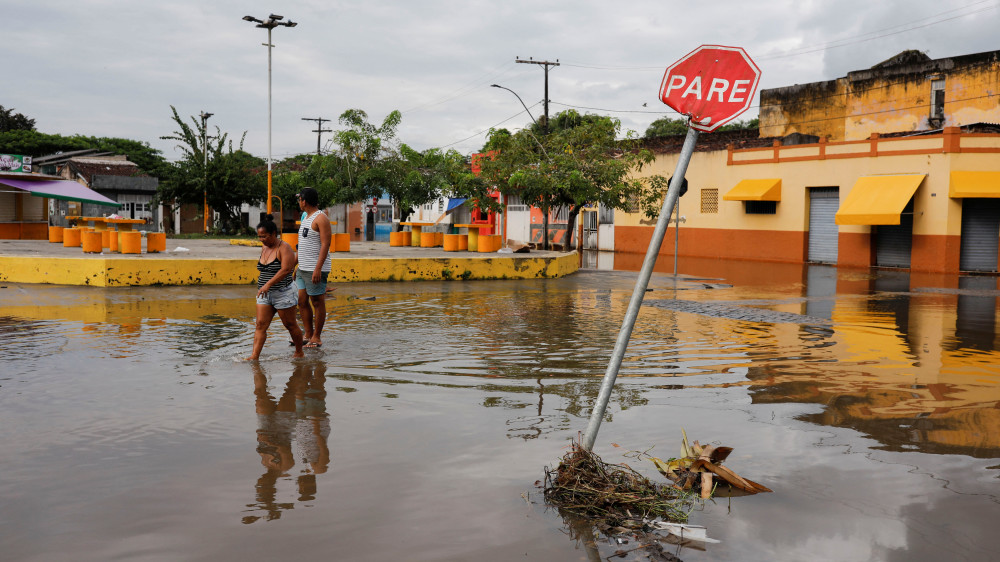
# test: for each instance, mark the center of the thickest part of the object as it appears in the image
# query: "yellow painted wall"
(124, 272)
(935, 212)
(811, 109)
(886, 100)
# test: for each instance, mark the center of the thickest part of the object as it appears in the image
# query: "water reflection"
(297, 419)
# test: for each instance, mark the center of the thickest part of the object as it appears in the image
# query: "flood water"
(133, 430)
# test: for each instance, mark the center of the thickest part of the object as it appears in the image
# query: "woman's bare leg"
(265, 313)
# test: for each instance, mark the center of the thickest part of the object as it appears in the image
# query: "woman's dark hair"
(268, 224)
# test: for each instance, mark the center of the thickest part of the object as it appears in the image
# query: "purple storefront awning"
(60, 189)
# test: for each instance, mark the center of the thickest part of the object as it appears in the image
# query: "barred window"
(561, 214)
(440, 205)
(514, 200)
(634, 203)
(761, 207)
(710, 201)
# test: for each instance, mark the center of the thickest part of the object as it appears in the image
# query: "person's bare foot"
(298, 354)
(313, 344)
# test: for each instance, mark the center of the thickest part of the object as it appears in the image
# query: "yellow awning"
(878, 199)
(755, 190)
(974, 184)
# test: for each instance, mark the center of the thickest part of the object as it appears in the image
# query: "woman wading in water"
(276, 291)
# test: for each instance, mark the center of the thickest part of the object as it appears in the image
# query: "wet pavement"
(868, 401)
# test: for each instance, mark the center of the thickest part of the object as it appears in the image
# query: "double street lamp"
(204, 149)
(270, 23)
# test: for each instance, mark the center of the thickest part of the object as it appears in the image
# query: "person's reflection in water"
(299, 416)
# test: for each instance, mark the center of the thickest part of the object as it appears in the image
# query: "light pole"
(518, 99)
(204, 169)
(269, 24)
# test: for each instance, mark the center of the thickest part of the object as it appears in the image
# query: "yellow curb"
(130, 272)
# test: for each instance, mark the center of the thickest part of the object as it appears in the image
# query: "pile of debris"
(585, 485)
(700, 467)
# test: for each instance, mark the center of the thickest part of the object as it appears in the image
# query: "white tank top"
(309, 244)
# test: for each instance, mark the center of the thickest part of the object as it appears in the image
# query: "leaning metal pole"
(597, 414)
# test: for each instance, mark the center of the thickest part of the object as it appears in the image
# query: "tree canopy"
(665, 126)
(10, 121)
(580, 162)
(230, 178)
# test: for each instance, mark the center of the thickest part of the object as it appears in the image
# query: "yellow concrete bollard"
(342, 241)
(91, 242)
(451, 242)
(156, 242)
(489, 243)
(131, 242)
(55, 234)
(463, 242)
(71, 237)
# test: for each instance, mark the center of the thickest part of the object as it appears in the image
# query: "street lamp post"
(204, 169)
(518, 99)
(269, 24)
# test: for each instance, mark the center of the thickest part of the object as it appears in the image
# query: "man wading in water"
(275, 292)
(314, 266)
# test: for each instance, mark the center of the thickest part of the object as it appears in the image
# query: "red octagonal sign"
(712, 84)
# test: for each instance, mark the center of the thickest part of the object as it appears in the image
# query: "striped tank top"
(309, 244)
(269, 270)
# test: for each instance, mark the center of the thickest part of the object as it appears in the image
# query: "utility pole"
(545, 65)
(319, 130)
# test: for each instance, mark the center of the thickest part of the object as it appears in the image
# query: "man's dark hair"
(310, 196)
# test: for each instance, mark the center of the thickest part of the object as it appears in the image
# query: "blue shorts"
(280, 298)
(303, 280)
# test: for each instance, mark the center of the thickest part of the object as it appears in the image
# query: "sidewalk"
(218, 262)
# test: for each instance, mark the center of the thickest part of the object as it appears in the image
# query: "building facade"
(908, 92)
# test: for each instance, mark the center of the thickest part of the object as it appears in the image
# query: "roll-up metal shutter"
(823, 204)
(8, 209)
(893, 242)
(980, 234)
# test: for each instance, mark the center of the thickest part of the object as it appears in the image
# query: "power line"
(469, 88)
(864, 37)
(319, 130)
(488, 128)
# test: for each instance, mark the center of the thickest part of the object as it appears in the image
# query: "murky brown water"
(132, 430)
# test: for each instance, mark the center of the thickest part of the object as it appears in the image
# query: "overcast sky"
(113, 67)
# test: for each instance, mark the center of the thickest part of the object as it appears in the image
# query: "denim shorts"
(303, 280)
(280, 298)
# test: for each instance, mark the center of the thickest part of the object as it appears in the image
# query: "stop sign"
(712, 84)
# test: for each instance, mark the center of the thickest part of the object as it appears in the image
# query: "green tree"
(665, 126)
(580, 162)
(230, 178)
(36, 144)
(10, 121)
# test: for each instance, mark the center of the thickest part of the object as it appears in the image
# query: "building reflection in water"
(916, 369)
(292, 427)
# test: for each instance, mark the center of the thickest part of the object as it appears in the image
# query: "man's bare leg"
(318, 303)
